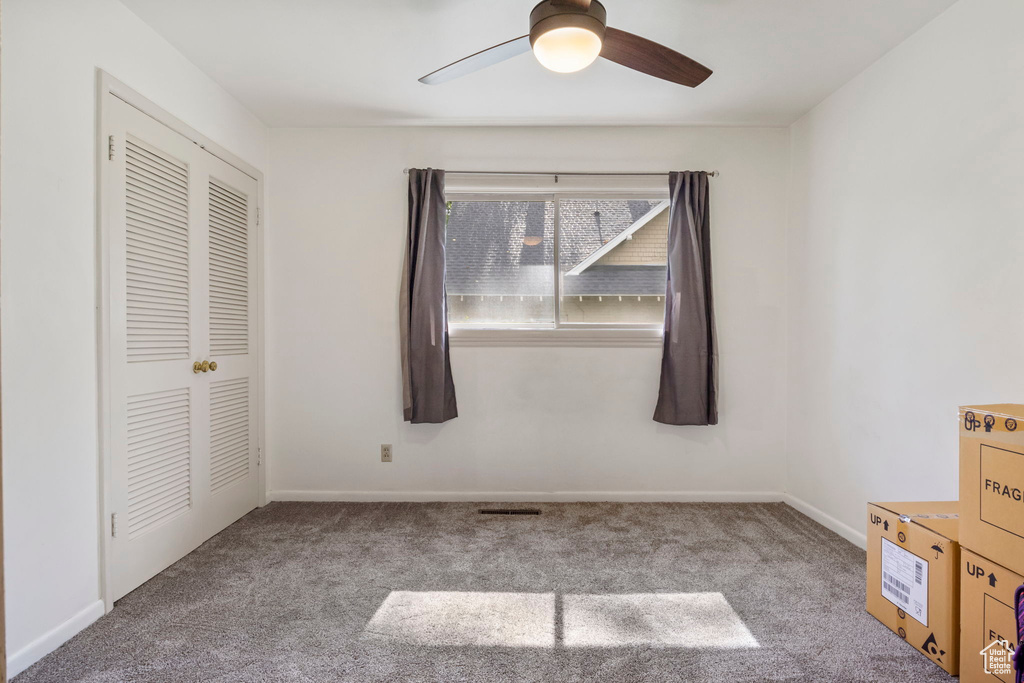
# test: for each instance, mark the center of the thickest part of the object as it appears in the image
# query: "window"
(612, 256)
(558, 262)
(499, 262)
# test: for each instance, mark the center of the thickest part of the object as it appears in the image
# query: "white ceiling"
(355, 62)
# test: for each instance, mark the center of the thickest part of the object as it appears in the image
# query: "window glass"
(499, 260)
(612, 256)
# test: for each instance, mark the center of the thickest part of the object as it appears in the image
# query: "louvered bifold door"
(231, 233)
(156, 329)
(180, 275)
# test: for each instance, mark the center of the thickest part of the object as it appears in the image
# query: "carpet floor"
(392, 592)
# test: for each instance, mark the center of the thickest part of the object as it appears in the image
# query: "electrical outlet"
(385, 452)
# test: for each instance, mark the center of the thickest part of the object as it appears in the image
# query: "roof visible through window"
(611, 252)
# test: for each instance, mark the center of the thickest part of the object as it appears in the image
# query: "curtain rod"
(713, 174)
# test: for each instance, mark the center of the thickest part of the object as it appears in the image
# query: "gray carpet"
(437, 592)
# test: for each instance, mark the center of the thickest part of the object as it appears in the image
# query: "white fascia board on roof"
(618, 239)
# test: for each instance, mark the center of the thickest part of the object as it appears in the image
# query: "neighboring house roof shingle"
(505, 248)
(617, 280)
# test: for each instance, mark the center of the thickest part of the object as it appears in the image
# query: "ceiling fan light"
(567, 49)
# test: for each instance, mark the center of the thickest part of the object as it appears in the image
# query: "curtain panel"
(428, 391)
(689, 364)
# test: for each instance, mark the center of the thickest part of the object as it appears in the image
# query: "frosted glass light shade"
(567, 49)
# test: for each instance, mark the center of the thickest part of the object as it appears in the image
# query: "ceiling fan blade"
(479, 60)
(652, 59)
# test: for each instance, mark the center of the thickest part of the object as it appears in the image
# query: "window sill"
(614, 337)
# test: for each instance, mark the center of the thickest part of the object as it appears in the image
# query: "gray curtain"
(689, 363)
(428, 392)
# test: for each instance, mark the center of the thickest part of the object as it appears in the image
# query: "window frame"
(557, 333)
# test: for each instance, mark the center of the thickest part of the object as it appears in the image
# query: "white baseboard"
(849, 533)
(858, 538)
(530, 496)
(52, 639)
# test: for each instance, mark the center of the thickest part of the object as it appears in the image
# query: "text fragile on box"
(992, 483)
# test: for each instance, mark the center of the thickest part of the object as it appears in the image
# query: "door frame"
(108, 86)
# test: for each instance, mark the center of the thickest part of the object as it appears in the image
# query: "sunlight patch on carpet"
(546, 620)
(449, 618)
(683, 620)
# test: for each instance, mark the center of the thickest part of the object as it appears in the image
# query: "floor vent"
(517, 511)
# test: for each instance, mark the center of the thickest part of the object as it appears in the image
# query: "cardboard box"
(992, 483)
(914, 576)
(987, 617)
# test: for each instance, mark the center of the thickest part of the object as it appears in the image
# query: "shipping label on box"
(988, 622)
(992, 482)
(913, 576)
(905, 580)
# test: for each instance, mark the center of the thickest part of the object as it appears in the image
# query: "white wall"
(51, 50)
(904, 267)
(534, 422)
(905, 262)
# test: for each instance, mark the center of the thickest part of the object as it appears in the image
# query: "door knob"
(213, 366)
(205, 366)
(197, 367)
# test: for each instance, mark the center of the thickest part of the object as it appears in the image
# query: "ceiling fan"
(568, 35)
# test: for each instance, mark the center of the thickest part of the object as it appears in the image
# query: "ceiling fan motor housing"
(552, 14)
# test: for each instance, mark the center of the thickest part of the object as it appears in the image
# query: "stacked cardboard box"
(914, 576)
(943, 575)
(992, 535)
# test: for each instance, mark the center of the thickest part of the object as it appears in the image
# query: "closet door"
(232, 477)
(181, 387)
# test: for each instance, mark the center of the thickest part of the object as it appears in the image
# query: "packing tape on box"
(976, 421)
(902, 527)
(902, 534)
